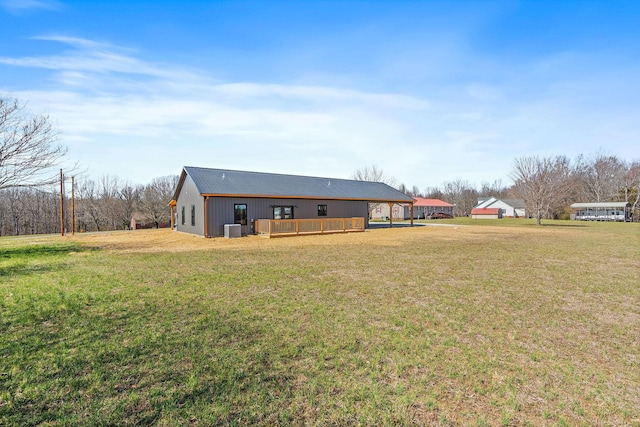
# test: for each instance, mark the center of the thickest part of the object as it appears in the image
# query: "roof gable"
(231, 183)
(483, 203)
(420, 201)
(501, 203)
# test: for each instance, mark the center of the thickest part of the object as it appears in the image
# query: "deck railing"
(295, 227)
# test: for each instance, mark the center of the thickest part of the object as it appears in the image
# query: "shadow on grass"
(26, 260)
(40, 250)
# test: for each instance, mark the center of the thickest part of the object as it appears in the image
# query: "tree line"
(30, 192)
(548, 185)
(99, 205)
(30, 197)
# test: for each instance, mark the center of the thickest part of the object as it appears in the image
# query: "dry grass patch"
(499, 324)
(165, 240)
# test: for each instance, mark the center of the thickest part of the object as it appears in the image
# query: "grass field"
(495, 323)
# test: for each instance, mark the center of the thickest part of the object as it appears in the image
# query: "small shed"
(486, 213)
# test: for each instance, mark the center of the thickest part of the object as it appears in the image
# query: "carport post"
(412, 214)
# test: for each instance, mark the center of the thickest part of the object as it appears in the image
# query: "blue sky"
(429, 91)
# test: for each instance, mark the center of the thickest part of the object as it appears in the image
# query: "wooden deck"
(297, 227)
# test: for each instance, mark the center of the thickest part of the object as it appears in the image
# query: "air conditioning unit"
(232, 230)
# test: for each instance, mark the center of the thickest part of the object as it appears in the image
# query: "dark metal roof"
(515, 203)
(213, 182)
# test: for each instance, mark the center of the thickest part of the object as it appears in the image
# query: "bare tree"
(373, 174)
(4, 214)
(632, 187)
(545, 183)
(29, 211)
(129, 195)
(15, 209)
(89, 206)
(433, 193)
(42, 213)
(28, 147)
(496, 189)
(462, 195)
(602, 178)
(111, 203)
(156, 197)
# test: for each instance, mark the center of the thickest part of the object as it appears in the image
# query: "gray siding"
(221, 210)
(190, 196)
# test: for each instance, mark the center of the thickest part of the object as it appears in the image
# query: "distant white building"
(607, 211)
(511, 208)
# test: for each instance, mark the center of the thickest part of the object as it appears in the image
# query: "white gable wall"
(507, 210)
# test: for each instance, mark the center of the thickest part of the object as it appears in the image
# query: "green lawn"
(488, 323)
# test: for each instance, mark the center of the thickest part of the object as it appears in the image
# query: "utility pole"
(61, 205)
(73, 207)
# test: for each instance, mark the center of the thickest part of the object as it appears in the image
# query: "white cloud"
(18, 6)
(122, 115)
(108, 103)
(92, 57)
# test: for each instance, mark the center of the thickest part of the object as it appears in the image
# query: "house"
(384, 212)
(486, 213)
(604, 211)
(511, 208)
(207, 200)
(422, 208)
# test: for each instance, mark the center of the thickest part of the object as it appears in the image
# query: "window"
(193, 215)
(240, 214)
(183, 215)
(322, 210)
(283, 212)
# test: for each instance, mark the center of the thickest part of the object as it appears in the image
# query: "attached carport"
(207, 199)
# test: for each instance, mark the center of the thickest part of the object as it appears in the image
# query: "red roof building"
(486, 213)
(423, 208)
